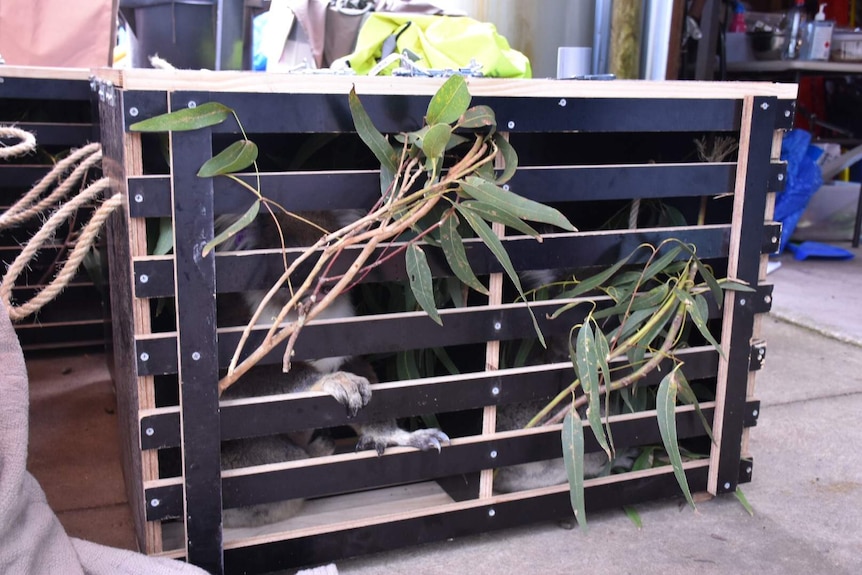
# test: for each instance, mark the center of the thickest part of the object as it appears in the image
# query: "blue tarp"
(803, 179)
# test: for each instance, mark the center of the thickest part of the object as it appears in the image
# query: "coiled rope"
(30, 206)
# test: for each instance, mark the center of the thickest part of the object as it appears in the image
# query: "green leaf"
(633, 516)
(645, 459)
(483, 190)
(603, 351)
(665, 404)
(698, 310)
(510, 158)
(450, 101)
(495, 214)
(405, 365)
(586, 366)
(236, 157)
(573, 457)
(599, 279)
(496, 246)
(456, 256)
(208, 114)
(165, 243)
(233, 229)
(443, 357)
(420, 281)
(744, 501)
(706, 274)
(376, 142)
(735, 285)
(687, 396)
(659, 265)
(648, 300)
(478, 117)
(435, 140)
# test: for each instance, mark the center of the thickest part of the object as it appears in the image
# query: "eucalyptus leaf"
(449, 102)
(573, 457)
(698, 311)
(633, 516)
(686, 395)
(456, 256)
(496, 246)
(586, 363)
(736, 285)
(435, 140)
(593, 282)
(493, 213)
(660, 265)
(202, 116)
(376, 142)
(421, 283)
(483, 190)
(510, 158)
(666, 415)
(649, 300)
(238, 156)
(478, 117)
(234, 228)
(165, 242)
(443, 357)
(706, 274)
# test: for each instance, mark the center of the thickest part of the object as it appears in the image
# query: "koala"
(347, 379)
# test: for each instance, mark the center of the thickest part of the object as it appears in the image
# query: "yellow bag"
(442, 42)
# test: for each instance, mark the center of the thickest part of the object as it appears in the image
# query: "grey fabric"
(32, 540)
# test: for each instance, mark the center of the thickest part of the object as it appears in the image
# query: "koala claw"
(424, 439)
(351, 390)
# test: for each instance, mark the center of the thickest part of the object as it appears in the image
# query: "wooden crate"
(54, 104)
(362, 502)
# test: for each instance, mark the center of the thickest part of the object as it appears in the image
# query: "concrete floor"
(805, 492)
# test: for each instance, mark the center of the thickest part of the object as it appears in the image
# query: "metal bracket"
(758, 355)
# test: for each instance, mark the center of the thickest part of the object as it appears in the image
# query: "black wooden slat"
(441, 395)
(44, 88)
(198, 367)
(298, 191)
(244, 271)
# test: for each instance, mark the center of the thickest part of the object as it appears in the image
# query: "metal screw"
(727, 485)
(780, 177)
(154, 502)
(754, 413)
(774, 239)
(786, 113)
(506, 187)
(563, 102)
(144, 278)
(498, 326)
(511, 124)
(196, 355)
(493, 454)
(139, 198)
(742, 301)
(748, 470)
(193, 104)
(495, 390)
(133, 112)
(767, 298)
(765, 106)
(150, 431)
(145, 356)
(491, 513)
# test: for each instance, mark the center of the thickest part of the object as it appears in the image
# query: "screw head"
(748, 470)
(498, 326)
(491, 513)
(780, 177)
(786, 113)
(495, 390)
(193, 104)
(493, 454)
(154, 502)
(742, 301)
(145, 356)
(506, 187)
(511, 124)
(133, 112)
(562, 102)
(196, 355)
(139, 198)
(150, 431)
(727, 485)
(767, 298)
(764, 106)
(754, 413)
(144, 278)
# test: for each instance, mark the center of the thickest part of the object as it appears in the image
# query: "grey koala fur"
(347, 379)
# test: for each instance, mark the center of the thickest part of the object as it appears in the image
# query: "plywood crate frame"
(77, 317)
(197, 350)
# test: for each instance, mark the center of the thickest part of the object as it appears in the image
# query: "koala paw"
(350, 390)
(380, 439)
